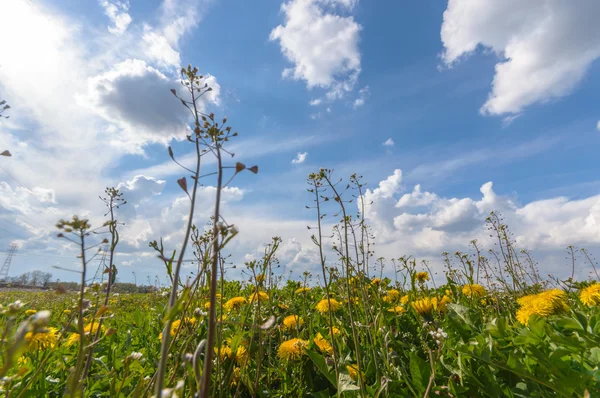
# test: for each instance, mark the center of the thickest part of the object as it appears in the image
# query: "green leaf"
(419, 371)
(319, 362)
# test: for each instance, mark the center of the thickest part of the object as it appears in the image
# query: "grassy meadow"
(488, 326)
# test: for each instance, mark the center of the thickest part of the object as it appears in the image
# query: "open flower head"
(392, 296)
(234, 303)
(42, 340)
(474, 290)
(260, 296)
(543, 304)
(292, 322)
(324, 306)
(302, 290)
(352, 371)
(422, 277)
(292, 349)
(323, 344)
(397, 310)
(423, 306)
(590, 295)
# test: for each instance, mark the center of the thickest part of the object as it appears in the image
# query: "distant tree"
(23, 279)
(46, 279)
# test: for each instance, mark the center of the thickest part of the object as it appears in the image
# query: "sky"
(448, 109)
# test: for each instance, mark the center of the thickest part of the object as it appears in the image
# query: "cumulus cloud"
(389, 142)
(546, 46)
(425, 223)
(315, 102)
(300, 158)
(137, 98)
(322, 45)
(116, 11)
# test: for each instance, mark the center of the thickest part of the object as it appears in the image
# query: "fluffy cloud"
(116, 11)
(389, 142)
(546, 46)
(425, 224)
(300, 158)
(137, 98)
(322, 45)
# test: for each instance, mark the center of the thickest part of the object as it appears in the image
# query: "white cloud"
(137, 98)
(322, 45)
(315, 102)
(389, 142)
(178, 17)
(546, 46)
(363, 94)
(300, 158)
(598, 125)
(116, 11)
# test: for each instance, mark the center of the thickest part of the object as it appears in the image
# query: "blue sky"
(462, 95)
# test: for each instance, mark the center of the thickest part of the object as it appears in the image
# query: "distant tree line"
(35, 278)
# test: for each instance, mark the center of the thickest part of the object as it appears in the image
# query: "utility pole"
(5, 267)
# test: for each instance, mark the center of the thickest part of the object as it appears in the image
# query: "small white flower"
(41, 318)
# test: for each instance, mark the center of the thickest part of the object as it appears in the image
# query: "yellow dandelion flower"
(352, 371)
(67, 312)
(397, 309)
(292, 349)
(404, 299)
(207, 305)
(30, 312)
(292, 322)
(542, 304)
(235, 378)
(336, 331)
(223, 353)
(391, 296)
(283, 306)
(423, 306)
(43, 340)
(241, 355)
(590, 295)
(302, 290)
(376, 281)
(324, 306)
(234, 303)
(323, 344)
(260, 278)
(261, 296)
(441, 305)
(473, 290)
(422, 277)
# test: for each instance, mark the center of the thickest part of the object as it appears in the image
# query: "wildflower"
(422, 277)
(336, 331)
(590, 295)
(235, 377)
(352, 371)
(198, 312)
(302, 290)
(474, 290)
(234, 303)
(67, 312)
(440, 305)
(323, 344)
(260, 278)
(175, 325)
(404, 299)
(423, 306)
(391, 296)
(241, 355)
(542, 304)
(325, 305)
(223, 353)
(292, 349)
(376, 281)
(397, 309)
(41, 318)
(292, 322)
(43, 340)
(30, 312)
(261, 296)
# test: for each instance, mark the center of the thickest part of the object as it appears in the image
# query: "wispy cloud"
(300, 158)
